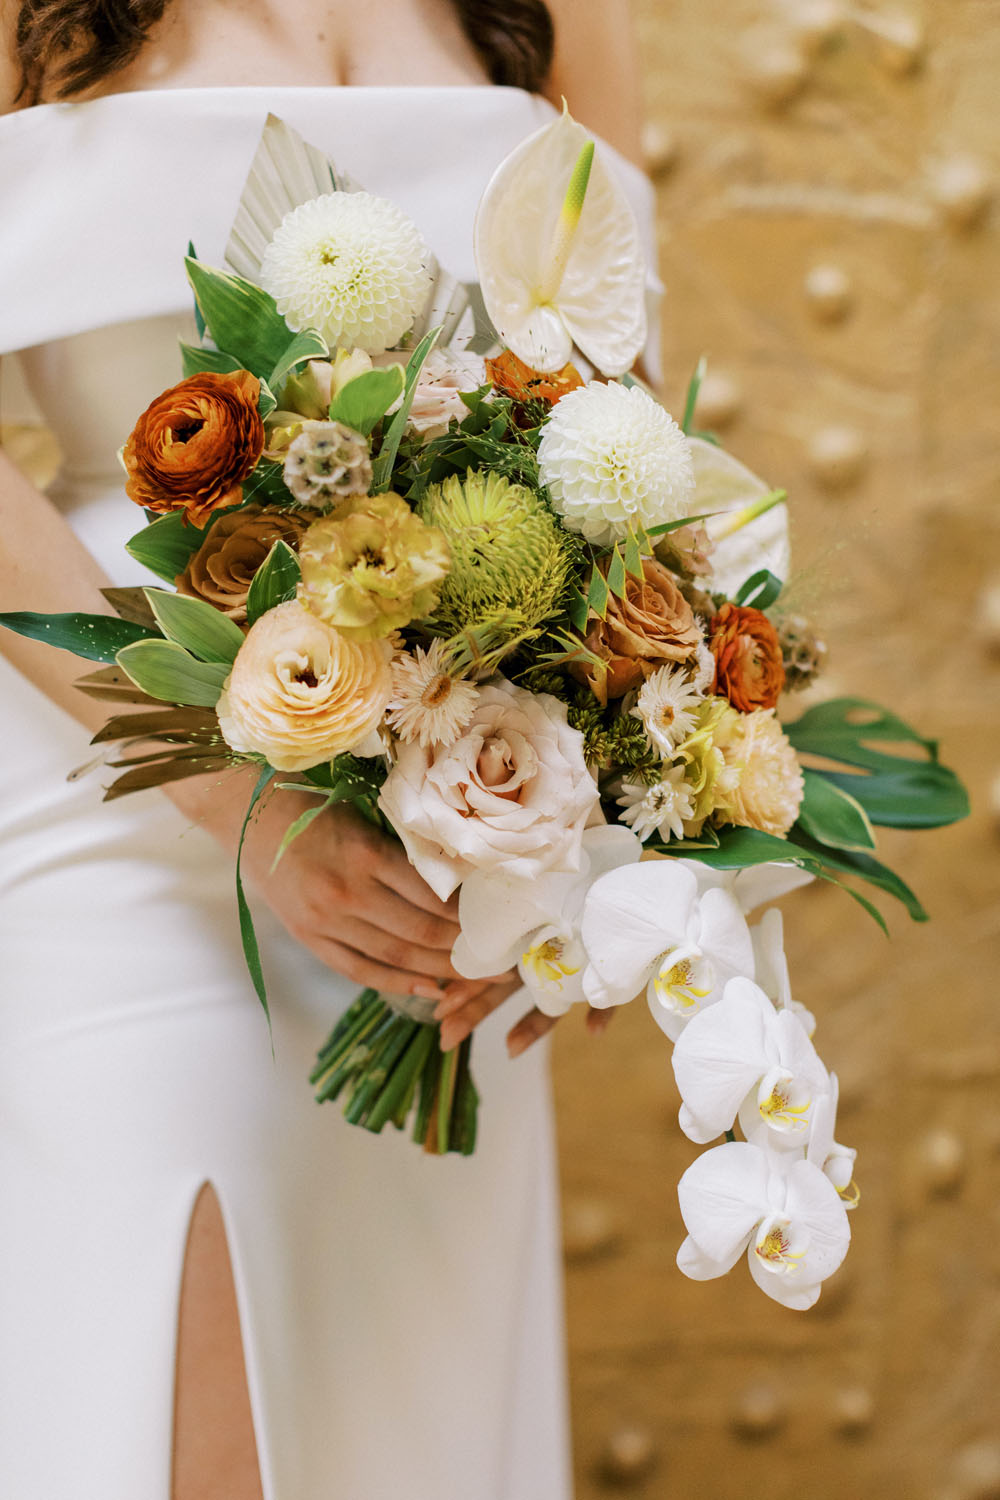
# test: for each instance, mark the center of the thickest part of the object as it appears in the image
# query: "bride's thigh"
(214, 1448)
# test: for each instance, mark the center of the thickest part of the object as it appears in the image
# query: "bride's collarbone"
(219, 43)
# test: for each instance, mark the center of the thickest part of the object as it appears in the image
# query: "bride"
(355, 1321)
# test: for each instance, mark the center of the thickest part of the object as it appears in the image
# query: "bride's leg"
(214, 1448)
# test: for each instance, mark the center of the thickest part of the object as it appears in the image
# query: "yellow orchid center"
(676, 984)
(778, 1247)
(547, 960)
(783, 1103)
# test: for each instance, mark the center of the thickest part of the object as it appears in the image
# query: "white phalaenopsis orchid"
(824, 1152)
(743, 1052)
(771, 966)
(535, 924)
(754, 885)
(647, 926)
(559, 254)
(784, 1212)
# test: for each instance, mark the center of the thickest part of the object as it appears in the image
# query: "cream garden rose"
(512, 793)
(300, 693)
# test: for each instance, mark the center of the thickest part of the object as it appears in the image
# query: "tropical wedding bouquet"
(431, 550)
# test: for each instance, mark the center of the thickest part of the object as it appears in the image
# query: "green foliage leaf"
(266, 401)
(364, 401)
(95, 637)
(616, 573)
(251, 950)
(274, 582)
(382, 467)
(833, 817)
(198, 357)
(241, 318)
(578, 608)
(760, 590)
(598, 594)
(166, 671)
(691, 399)
(897, 791)
(166, 545)
(669, 526)
(308, 344)
(864, 866)
(633, 555)
(300, 825)
(206, 632)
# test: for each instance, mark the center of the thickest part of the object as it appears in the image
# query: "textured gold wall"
(829, 238)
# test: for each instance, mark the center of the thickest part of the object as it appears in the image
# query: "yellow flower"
(709, 774)
(372, 567)
(768, 790)
(299, 693)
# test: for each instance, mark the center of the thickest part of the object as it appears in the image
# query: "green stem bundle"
(390, 1067)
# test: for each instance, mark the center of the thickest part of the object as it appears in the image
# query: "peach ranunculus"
(300, 693)
(195, 444)
(652, 626)
(223, 568)
(749, 670)
(511, 794)
(768, 791)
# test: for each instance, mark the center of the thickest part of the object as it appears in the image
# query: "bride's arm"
(342, 889)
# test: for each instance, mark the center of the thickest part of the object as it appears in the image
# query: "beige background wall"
(787, 137)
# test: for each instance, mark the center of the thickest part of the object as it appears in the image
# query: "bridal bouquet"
(432, 550)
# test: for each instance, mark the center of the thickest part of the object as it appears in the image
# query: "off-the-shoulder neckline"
(16, 120)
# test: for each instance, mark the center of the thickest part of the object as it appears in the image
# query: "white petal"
(699, 1266)
(601, 299)
(724, 935)
(631, 916)
(790, 1291)
(813, 1201)
(722, 483)
(723, 1195)
(721, 1055)
(696, 1130)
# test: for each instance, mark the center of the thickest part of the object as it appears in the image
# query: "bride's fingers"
(529, 1029)
(598, 1021)
(462, 1022)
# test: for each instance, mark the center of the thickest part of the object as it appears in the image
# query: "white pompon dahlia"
(350, 265)
(611, 457)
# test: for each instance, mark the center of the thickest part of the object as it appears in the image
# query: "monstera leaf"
(912, 790)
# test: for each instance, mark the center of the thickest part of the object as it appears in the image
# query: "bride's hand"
(343, 889)
(460, 1015)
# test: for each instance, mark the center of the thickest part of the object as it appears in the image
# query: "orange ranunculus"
(512, 377)
(193, 447)
(748, 667)
(648, 629)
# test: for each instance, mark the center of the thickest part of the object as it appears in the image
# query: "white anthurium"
(784, 1212)
(743, 1056)
(559, 254)
(647, 926)
(535, 924)
(753, 534)
(771, 966)
(753, 885)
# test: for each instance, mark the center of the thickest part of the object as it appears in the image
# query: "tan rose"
(300, 693)
(651, 626)
(193, 447)
(223, 568)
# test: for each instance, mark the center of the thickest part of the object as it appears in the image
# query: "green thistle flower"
(511, 562)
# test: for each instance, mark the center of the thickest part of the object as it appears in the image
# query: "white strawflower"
(668, 707)
(661, 808)
(704, 669)
(350, 265)
(428, 704)
(611, 456)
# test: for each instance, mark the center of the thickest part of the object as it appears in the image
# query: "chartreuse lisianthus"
(510, 561)
(371, 567)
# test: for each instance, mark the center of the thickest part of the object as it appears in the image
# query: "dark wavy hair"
(70, 45)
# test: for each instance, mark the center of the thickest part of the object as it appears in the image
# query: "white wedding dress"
(401, 1315)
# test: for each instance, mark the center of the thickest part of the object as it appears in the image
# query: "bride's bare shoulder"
(596, 69)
